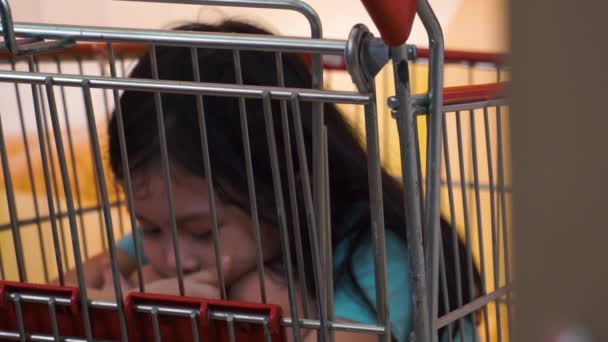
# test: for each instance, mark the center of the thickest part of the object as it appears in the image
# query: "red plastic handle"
(179, 328)
(105, 324)
(35, 317)
(394, 18)
(473, 93)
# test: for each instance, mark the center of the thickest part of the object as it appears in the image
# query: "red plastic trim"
(36, 317)
(473, 93)
(393, 18)
(105, 323)
(174, 328)
(458, 56)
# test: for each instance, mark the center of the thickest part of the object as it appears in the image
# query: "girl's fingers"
(210, 275)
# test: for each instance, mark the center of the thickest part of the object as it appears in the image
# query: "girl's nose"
(189, 263)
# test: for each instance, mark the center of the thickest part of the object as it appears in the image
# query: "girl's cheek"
(155, 255)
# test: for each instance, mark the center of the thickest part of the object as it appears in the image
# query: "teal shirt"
(348, 304)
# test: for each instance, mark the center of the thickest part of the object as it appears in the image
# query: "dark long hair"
(348, 176)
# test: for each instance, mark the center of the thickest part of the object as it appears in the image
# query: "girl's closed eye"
(151, 232)
(202, 236)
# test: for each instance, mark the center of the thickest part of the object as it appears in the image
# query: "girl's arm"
(95, 270)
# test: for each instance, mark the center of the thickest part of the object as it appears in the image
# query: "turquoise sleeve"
(349, 305)
(127, 245)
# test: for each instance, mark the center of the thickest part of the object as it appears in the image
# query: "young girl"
(353, 263)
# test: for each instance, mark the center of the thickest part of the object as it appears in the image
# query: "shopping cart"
(444, 137)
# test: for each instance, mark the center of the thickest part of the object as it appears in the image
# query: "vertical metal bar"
(329, 270)
(267, 336)
(12, 208)
(53, 314)
(73, 158)
(407, 146)
(102, 237)
(211, 193)
(30, 174)
(45, 172)
(310, 213)
(498, 78)
(67, 189)
(250, 180)
(292, 189)
(432, 210)
(104, 195)
(19, 313)
(467, 229)
(53, 174)
(377, 216)
(495, 248)
(7, 28)
(128, 186)
(470, 66)
(160, 118)
(413, 63)
(444, 288)
(194, 322)
(455, 239)
(503, 210)
(230, 326)
(155, 325)
(121, 225)
(317, 128)
(479, 220)
(419, 165)
(281, 217)
(323, 252)
(2, 277)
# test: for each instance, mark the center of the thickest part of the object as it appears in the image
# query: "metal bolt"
(393, 103)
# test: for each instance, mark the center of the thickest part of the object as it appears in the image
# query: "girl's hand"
(247, 289)
(108, 281)
(202, 284)
(192, 286)
(93, 277)
(94, 270)
(149, 275)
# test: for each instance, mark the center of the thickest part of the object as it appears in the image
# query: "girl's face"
(194, 226)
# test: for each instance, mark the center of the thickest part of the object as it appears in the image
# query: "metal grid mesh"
(474, 179)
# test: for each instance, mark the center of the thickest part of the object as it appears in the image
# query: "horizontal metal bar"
(15, 336)
(210, 89)
(220, 315)
(11, 335)
(183, 38)
(223, 316)
(291, 5)
(472, 307)
(337, 326)
(420, 109)
(165, 310)
(60, 215)
(26, 298)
